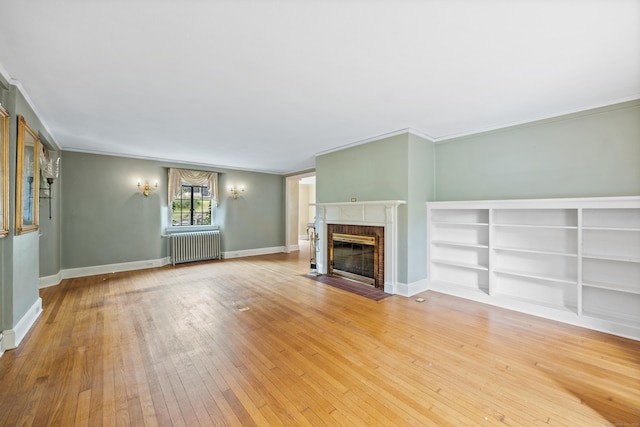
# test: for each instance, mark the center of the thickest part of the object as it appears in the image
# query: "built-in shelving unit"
(574, 260)
(611, 264)
(461, 248)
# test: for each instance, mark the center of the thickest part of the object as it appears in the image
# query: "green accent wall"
(256, 219)
(587, 154)
(373, 171)
(421, 189)
(107, 220)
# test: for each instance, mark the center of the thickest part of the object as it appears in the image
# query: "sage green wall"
(50, 232)
(421, 189)
(6, 243)
(593, 153)
(20, 253)
(373, 171)
(107, 220)
(26, 250)
(257, 218)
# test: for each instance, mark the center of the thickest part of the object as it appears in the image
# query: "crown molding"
(566, 115)
(170, 161)
(377, 138)
(5, 74)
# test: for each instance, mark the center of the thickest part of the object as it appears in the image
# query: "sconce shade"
(49, 163)
(51, 167)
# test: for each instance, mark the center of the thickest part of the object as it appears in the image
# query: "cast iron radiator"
(195, 246)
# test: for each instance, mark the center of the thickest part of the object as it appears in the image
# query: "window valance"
(191, 177)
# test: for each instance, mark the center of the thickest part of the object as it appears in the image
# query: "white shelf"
(481, 289)
(560, 227)
(535, 251)
(612, 258)
(616, 219)
(564, 308)
(611, 228)
(460, 264)
(621, 318)
(463, 244)
(535, 276)
(610, 287)
(467, 224)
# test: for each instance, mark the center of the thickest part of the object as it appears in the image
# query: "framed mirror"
(27, 178)
(4, 172)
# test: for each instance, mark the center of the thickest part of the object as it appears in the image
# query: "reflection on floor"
(361, 289)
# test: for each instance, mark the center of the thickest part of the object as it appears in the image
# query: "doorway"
(300, 214)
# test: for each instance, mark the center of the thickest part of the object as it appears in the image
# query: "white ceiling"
(265, 85)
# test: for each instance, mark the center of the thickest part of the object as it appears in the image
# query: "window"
(193, 197)
(192, 206)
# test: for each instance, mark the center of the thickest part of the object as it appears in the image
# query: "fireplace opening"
(354, 256)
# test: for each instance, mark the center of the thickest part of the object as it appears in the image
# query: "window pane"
(192, 206)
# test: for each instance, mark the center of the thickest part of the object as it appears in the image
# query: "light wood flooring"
(251, 341)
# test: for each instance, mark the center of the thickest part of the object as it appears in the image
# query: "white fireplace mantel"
(376, 213)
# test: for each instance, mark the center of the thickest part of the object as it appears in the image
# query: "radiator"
(195, 246)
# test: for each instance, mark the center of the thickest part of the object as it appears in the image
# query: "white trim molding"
(52, 280)
(411, 289)
(71, 273)
(11, 338)
(382, 213)
(378, 138)
(253, 252)
(114, 268)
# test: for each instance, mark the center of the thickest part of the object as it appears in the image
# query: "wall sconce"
(50, 169)
(235, 192)
(146, 188)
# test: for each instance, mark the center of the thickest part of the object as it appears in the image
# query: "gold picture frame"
(27, 178)
(4, 172)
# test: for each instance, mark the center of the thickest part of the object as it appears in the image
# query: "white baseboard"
(71, 273)
(411, 289)
(11, 338)
(610, 327)
(292, 248)
(253, 252)
(52, 280)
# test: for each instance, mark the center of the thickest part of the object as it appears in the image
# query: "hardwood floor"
(253, 342)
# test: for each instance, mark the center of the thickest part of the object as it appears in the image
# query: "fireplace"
(368, 218)
(357, 252)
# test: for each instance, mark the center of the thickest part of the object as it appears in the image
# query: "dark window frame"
(195, 192)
